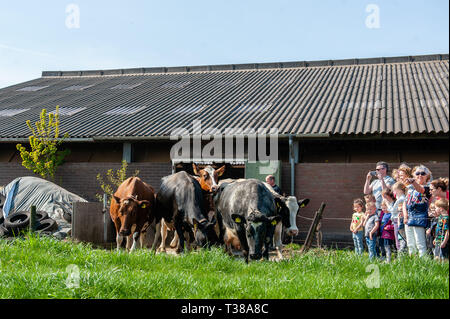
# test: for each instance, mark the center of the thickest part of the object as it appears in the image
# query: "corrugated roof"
(399, 95)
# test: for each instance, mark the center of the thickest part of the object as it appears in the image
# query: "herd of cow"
(244, 214)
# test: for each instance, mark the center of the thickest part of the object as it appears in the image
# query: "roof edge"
(311, 136)
(249, 66)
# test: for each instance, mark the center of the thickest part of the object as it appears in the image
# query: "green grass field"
(37, 268)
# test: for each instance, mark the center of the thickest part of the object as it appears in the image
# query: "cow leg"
(157, 234)
(135, 240)
(189, 237)
(244, 244)
(279, 254)
(130, 238)
(227, 245)
(119, 240)
(179, 230)
(129, 243)
(188, 241)
(277, 240)
(174, 241)
(266, 248)
(162, 246)
(137, 237)
(229, 239)
(142, 238)
(221, 227)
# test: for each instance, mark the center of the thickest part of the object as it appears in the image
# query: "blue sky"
(122, 34)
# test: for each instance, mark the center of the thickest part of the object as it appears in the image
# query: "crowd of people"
(403, 213)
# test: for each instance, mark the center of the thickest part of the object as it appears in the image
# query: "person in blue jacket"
(415, 211)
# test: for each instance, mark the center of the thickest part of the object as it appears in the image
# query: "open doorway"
(231, 170)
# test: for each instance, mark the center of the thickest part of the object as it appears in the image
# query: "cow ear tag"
(143, 206)
(237, 220)
(274, 222)
(303, 205)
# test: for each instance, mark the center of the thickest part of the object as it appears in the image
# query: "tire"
(41, 215)
(3, 231)
(17, 221)
(46, 225)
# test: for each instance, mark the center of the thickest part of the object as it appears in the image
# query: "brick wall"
(336, 184)
(80, 178)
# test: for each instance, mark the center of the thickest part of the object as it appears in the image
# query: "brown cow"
(208, 177)
(131, 208)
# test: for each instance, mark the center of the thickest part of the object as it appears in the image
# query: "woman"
(439, 188)
(415, 210)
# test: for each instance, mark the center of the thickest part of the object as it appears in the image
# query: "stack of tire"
(17, 222)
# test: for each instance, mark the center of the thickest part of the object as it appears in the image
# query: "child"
(371, 224)
(356, 226)
(441, 240)
(395, 208)
(384, 211)
(431, 230)
(387, 232)
(369, 198)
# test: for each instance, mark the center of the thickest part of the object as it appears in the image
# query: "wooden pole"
(313, 228)
(33, 218)
(105, 218)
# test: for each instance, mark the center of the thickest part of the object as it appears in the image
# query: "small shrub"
(44, 157)
(113, 180)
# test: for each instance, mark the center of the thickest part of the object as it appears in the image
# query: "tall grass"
(35, 267)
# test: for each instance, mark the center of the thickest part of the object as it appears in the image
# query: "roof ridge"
(249, 66)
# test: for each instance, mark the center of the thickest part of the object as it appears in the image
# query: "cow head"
(208, 177)
(129, 208)
(254, 231)
(294, 207)
(205, 233)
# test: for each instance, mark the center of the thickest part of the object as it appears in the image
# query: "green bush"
(113, 180)
(44, 157)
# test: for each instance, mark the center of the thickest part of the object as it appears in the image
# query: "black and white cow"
(247, 214)
(291, 230)
(285, 205)
(179, 204)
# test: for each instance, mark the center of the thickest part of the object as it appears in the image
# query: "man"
(270, 179)
(382, 182)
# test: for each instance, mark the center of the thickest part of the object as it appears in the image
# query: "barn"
(334, 119)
